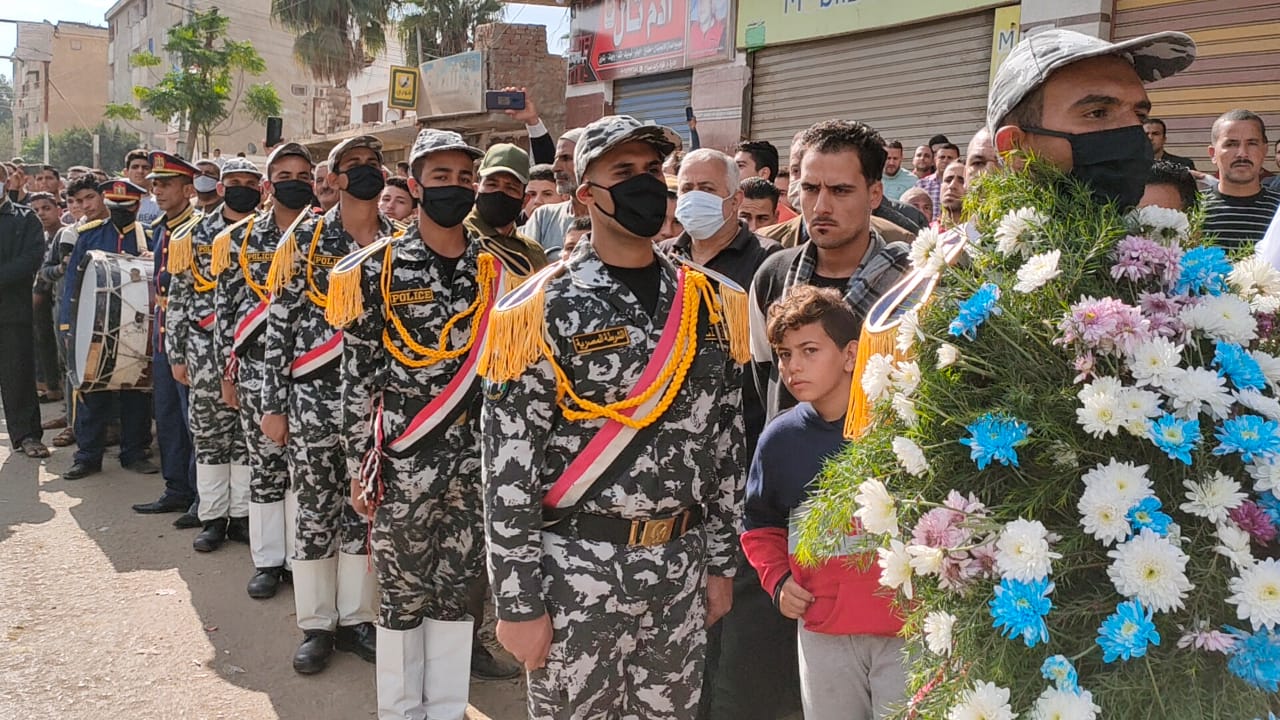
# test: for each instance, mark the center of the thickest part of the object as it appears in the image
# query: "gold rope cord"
(427, 356)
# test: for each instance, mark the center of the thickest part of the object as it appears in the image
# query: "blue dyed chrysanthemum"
(1204, 270)
(1019, 608)
(1061, 672)
(1270, 505)
(975, 311)
(1250, 435)
(1127, 632)
(1146, 514)
(1238, 366)
(995, 437)
(1256, 658)
(1175, 436)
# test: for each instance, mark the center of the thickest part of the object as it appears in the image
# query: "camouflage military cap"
(1032, 61)
(240, 165)
(431, 140)
(611, 131)
(288, 149)
(359, 141)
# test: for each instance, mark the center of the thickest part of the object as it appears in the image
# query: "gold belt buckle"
(648, 533)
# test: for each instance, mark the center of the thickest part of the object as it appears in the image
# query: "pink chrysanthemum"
(940, 528)
(1107, 326)
(1162, 312)
(1139, 258)
(1255, 521)
(1202, 638)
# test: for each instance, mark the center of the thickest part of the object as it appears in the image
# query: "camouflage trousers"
(215, 426)
(325, 521)
(427, 541)
(266, 459)
(628, 641)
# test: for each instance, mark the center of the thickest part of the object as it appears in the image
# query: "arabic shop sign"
(626, 38)
(763, 23)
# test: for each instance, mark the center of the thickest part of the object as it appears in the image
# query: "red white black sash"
(249, 327)
(614, 444)
(318, 361)
(206, 323)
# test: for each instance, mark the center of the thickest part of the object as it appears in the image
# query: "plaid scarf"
(882, 265)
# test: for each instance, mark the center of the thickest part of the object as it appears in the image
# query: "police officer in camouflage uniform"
(241, 302)
(222, 470)
(612, 547)
(409, 363)
(334, 592)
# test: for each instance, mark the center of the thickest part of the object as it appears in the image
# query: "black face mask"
(242, 198)
(448, 206)
(498, 208)
(639, 204)
(123, 217)
(293, 194)
(1113, 163)
(364, 182)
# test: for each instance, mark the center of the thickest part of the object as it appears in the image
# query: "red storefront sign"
(626, 38)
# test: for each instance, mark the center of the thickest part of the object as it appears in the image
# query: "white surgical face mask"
(701, 213)
(205, 184)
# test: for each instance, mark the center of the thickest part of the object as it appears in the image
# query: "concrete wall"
(516, 56)
(77, 73)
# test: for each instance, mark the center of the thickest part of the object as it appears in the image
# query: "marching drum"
(111, 334)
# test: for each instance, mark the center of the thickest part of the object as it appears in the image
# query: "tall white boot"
(315, 593)
(214, 484)
(357, 590)
(290, 526)
(239, 499)
(447, 681)
(267, 534)
(401, 668)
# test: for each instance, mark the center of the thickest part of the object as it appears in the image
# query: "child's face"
(812, 365)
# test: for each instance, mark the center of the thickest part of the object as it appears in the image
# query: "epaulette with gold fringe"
(286, 254)
(221, 258)
(733, 311)
(90, 225)
(346, 298)
(516, 325)
(179, 252)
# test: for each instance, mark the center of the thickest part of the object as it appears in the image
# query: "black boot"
(266, 582)
(212, 536)
(238, 529)
(313, 654)
(360, 639)
(486, 666)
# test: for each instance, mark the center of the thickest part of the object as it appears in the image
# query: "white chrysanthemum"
(1104, 516)
(1105, 385)
(1256, 594)
(938, 627)
(927, 254)
(1270, 365)
(1017, 230)
(1266, 475)
(926, 560)
(1038, 270)
(908, 331)
(948, 354)
(1136, 406)
(877, 378)
(876, 509)
(1100, 414)
(1196, 390)
(1221, 317)
(986, 701)
(910, 456)
(1259, 403)
(1152, 569)
(1235, 545)
(1125, 482)
(1163, 223)
(1054, 704)
(1213, 498)
(1255, 280)
(905, 408)
(895, 567)
(906, 377)
(1152, 362)
(1022, 552)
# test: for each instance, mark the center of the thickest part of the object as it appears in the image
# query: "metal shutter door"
(660, 99)
(1237, 65)
(908, 83)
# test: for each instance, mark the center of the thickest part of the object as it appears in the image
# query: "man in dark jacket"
(21, 251)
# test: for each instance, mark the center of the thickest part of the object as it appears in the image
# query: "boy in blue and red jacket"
(851, 655)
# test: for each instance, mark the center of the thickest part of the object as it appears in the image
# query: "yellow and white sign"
(1004, 36)
(763, 23)
(403, 93)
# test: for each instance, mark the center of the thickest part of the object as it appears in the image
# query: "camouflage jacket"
(190, 304)
(242, 287)
(296, 323)
(694, 456)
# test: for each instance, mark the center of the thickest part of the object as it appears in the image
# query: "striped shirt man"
(1239, 221)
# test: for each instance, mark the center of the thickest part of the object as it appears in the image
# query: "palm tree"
(438, 28)
(333, 38)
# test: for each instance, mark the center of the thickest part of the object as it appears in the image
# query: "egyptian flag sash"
(317, 361)
(249, 327)
(615, 445)
(206, 323)
(445, 409)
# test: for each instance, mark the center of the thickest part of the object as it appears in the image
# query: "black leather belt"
(632, 533)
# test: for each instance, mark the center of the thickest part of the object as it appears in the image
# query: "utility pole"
(45, 112)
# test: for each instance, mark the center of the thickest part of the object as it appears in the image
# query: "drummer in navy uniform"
(171, 183)
(110, 225)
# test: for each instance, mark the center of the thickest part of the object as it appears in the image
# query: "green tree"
(334, 38)
(202, 87)
(438, 28)
(75, 147)
(6, 118)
